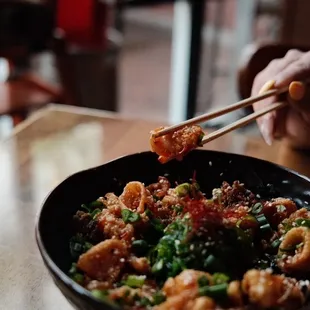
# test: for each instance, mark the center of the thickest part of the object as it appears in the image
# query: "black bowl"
(53, 229)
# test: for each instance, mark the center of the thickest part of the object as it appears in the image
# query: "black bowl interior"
(212, 168)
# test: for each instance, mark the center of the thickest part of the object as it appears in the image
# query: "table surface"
(54, 143)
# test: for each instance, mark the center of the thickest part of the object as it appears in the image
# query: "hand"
(292, 123)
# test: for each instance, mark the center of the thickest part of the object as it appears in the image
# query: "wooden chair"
(25, 29)
(255, 58)
(87, 69)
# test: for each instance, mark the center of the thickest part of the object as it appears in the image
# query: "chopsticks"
(243, 121)
(238, 105)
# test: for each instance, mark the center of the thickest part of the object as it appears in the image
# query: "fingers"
(296, 70)
(299, 97)
(297, 90)
(280, 72)
(266, 122)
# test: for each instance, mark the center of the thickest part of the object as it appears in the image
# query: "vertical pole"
(186, 54)
(180, 56)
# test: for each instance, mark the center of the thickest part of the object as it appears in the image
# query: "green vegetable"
(78, 246)
(219, 278)
(156, 198)
(263, 223)
(265, 228)
(156, 223)
(299, 245)
(93, 205)
(183, 189)
(101, 295)
(217, 292)
(77, 277)
(135, 281)
(129, 216)
(95, 212)
(257, 208)
(158, 266)
(211, 263)
(140, 247)
(96, 204)
(203, 281)
(199, 142)
(178, 209)
(73, 269)
(281, 208)
(303, 222)
(288, 249)
(144, 301)
(158, 298)
(169, 256)
(275, 244)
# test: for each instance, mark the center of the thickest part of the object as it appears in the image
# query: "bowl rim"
(62, 276)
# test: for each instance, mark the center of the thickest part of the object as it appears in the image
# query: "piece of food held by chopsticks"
(177, 143)
(177, 140)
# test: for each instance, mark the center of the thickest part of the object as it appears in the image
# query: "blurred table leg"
(186, 52)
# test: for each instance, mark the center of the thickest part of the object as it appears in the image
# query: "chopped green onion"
(73, 269)
(84, 206)
(158, 266)
(101, 295)
(199, 141)
(95, 213)
(135, 281)
(261, 219)
(158, 298)
(263, 223)
(265, 228)
(275, 244)
(178, 209)
(281, 208)
(183, 189)
(93, 205)
(257, 208)
(303, 222)
(129, 216)
(203, 281)
(77, 277)
(288, 249)
(216, 292)
(140, 246)
(211, 263)
(156, 223)
(219, 278)
(96, 204)
(156, 198)
(299, 245)
(87, 246)
(144, 301)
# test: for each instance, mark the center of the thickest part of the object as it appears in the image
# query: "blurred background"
(158, 60)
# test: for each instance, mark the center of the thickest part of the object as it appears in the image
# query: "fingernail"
(266, 129)
(267, 86)
(297, 90)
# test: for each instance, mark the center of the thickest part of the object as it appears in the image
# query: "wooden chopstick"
(205, 117)
(243, 121)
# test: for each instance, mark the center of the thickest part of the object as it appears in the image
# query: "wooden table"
(54, 143)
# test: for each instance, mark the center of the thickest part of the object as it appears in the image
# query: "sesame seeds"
(210, 163)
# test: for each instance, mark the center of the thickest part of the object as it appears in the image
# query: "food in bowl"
(164, 246)
(176, 144)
